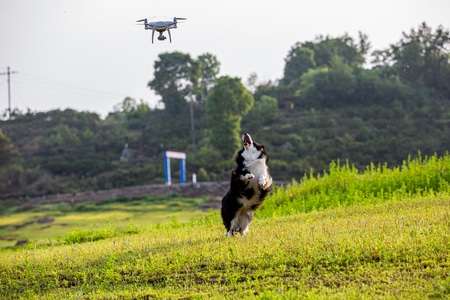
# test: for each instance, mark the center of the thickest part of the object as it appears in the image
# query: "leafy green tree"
(350, 52)
(264, 112)
(252, 83)
(328, 87)
(299, 60)
(176, 75)
(322, 53)
(209, 69)
(7, 152)
(423, 57)
(132, 111)
(61, 139)
(227, 102)
(128, 105)
(373, 88)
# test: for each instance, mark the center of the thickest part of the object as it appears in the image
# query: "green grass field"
(310, 241)
(30, 225)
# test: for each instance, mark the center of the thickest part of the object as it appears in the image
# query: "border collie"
(249, 185)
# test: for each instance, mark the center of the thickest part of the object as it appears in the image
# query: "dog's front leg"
(246, 177)
(262, 181)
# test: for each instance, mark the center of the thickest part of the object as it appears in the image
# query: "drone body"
(160, 26)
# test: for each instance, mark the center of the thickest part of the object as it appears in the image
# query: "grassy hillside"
(391, 250)
(388, 243)
(344, 185)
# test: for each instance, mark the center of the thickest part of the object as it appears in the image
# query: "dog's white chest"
(251, 154)
(253, 163)
(257, 167)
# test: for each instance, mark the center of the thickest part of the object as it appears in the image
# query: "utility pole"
(8, 73)
(192, 122)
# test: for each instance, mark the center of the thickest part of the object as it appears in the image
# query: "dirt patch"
(21, 242)
(50, 225)
(45, 220)
(23, 225)
(8, 238)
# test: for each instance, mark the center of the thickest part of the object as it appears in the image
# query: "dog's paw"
(247, 177)
(262, 181)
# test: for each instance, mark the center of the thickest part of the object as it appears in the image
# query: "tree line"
(329, 105)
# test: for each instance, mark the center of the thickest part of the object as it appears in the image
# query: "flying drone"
(160, 26)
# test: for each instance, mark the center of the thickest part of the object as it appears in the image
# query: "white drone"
(160, 26)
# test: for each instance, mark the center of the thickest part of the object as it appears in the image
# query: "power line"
(25, 81)
(8, 74)
(31, 80)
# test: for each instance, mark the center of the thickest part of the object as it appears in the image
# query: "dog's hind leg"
(240, 223)
(248, 219)
(245, 223)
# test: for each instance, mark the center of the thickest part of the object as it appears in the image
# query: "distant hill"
(326, 108)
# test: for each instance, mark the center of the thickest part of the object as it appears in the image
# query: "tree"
(132, 111)
(176, 75)
(227, 102)
(209, 69)
(264, 112)
(299, 60)
(128, 105)
(350, 52)
(7, 152)
(321, 53)
(423, 57)
(252, 82)
(328, 87)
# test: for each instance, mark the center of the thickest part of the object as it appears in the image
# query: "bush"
(345, 185)
(76, 236)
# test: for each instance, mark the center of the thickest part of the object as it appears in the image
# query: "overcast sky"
(88, 54)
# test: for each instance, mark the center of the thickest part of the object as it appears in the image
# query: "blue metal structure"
(178, 155)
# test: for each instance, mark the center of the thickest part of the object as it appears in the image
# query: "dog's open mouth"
(246, 140)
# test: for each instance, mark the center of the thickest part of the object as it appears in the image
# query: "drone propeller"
(145, 20)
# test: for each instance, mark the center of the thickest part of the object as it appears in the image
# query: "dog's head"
(247, 141)
(251, 149)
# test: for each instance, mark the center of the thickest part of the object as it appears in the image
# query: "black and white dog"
(249, 185)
